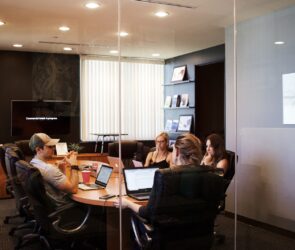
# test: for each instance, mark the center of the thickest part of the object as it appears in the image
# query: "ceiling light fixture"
(114, 51)
(64, 28)
(1, 23)
(279, 42)
(68, 49)
(155, 54)
(92, 5)
(17, 45)
(123, 34)
(161, 14)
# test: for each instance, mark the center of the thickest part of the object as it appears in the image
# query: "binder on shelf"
(168, 101)
(184, 100)
(176, 101)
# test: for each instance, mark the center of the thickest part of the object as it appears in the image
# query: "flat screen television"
(32, 116)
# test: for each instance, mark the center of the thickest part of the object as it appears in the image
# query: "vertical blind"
(141, 98)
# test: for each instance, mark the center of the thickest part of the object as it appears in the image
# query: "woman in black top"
(215, 156)
(161, 157)
(186, 152)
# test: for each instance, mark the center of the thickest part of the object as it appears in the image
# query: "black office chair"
(23, 145)
(58, 226)
(228, 176)
(130, 150)
(8, 184)
(181, 211)
(12, 155)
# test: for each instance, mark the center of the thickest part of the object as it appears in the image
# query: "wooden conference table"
(91, 197)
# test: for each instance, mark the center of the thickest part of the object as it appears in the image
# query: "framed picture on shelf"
(185, 123)
(178, 74)
(168, 126)
(184, 100)
(176, 101)
(174, 125)
(168, 101)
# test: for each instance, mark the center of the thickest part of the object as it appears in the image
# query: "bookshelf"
(186, 86)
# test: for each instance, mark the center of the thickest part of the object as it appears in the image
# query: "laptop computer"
(115, 162)
(139, 181)
(137, 164)
(101, 181)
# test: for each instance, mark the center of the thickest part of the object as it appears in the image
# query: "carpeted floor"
(248, 238)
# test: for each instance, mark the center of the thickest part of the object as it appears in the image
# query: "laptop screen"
(139, 178)
(103, 175)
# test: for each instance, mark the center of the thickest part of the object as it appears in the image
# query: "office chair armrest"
(148, 227)
(56, 224)
(143, 239)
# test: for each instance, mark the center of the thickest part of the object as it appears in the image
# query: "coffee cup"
(86, 176)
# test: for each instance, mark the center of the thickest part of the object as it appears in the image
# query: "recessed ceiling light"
(114, 51)
(123, 34)
(17, 45)
(68, 49)
(64, 28)
(1, 23)
(161, 14)
(279, 42)
(155, 54)
(92, 5)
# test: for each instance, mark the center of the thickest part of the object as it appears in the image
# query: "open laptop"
(115, 162)
(139, 182)
(101, 181)
(137, 164)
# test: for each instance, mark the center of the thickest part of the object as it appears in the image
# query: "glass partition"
(265, 123)
(172, 77)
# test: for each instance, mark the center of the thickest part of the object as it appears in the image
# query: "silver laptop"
(101, 181)
(115, 162)
(139, 182)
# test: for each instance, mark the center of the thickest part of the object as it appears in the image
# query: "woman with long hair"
(215, 156)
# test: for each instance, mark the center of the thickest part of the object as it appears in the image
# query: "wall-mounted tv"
(32, 116)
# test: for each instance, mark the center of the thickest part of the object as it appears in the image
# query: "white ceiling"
(34, 23)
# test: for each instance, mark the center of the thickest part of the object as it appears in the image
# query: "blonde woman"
(161, 157)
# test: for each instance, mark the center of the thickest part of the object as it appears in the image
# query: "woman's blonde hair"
(190, 150)
(165, 136)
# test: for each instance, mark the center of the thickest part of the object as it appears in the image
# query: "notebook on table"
(139, 181)
(115, 162)
(101, 181)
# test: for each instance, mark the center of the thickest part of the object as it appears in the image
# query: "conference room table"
(91, 197)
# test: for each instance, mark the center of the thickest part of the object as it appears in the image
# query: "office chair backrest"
(2, 159)
(23, 145)
(186, 197)
(231, 169)
(130, 150)
(32, 182)
(2, 155)
(12, 155)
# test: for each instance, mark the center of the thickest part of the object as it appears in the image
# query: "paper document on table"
(61, 148)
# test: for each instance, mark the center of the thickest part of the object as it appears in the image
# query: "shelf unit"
(181, 87)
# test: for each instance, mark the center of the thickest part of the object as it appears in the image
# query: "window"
(141, 98)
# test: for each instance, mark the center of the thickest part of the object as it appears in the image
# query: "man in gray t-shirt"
(61, 179)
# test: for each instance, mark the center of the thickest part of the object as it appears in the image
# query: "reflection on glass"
(289, 98)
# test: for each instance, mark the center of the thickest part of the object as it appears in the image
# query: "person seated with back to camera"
(215, 156)
(161, 157)
(60, 180)
(187, 153)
